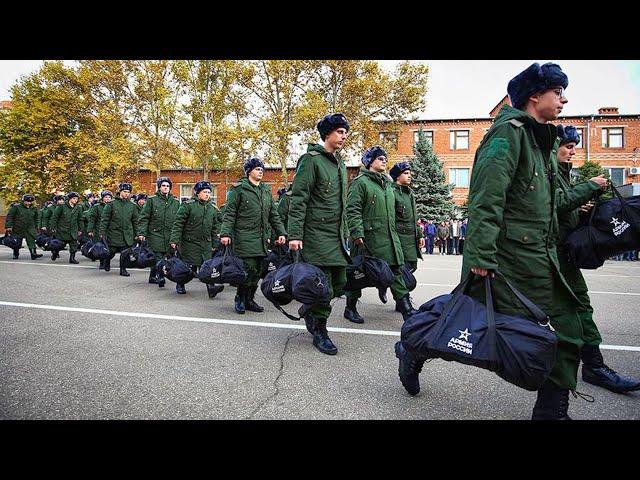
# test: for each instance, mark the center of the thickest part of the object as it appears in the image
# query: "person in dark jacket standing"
(22, 220)
(463, 234)
(317, 219)
(66, 224)
(154, 224)
(443, 235)
(195, 229)
(571, 201)
(248, 219)
(118, 224)
(431, 231)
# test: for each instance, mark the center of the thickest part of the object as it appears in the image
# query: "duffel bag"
(274, 260)
(145, 256)
(368, 271)
(42, 239)
(613, 228)
(173, 268)
(407, 275)
(55, 244)
(457, 327)
(86, 249)
(296, 280)
(99, 250)
(12, 241)
(223, 267)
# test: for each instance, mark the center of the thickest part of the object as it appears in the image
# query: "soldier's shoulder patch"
(516, 123)
(289, 192)
(313, 153)
(191, 200)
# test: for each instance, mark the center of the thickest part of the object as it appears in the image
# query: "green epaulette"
(516, 123)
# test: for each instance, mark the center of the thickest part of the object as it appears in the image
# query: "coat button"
(532, 187)
(536, 174)
(525, 239)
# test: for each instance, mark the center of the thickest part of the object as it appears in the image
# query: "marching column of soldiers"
(520, 201)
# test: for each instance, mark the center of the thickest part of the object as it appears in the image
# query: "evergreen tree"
(433, 195)
(593, 169)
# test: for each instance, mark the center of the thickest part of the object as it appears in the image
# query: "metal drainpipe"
(588, 136)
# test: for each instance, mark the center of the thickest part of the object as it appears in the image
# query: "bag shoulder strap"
(541, 317)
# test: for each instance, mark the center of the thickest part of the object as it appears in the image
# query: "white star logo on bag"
(615, 221)
(464, 334)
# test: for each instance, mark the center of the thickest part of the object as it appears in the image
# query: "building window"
(427, 133)
(459, 139)
(186, 191)
(617, 175)
(389, 138)
(581, 135)
(612, 138)
(459, 177)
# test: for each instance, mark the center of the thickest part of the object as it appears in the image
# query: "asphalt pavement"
(79, 343)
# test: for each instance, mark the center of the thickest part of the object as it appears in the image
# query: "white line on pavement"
(95, 266)
(237, 322)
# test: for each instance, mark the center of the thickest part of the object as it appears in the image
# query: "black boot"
(16, 253)
(404, 304)
(72, 257)
(552, 403)
(240, 300)
(34, 254)
(409, 369)
(321, 338)
(161, 279)
(250, 303)
(595, 372)
(107, 265)
(180, 288)
(101, 266)
(351, 312)
(153, 274)
(55, 254)
(214, 290)
(382, 295)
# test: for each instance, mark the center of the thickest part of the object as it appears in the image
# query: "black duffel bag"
(87, 249)
(613, 227)
(223, 267)
(456, 327)
(274, 260)
(137, 256)
(55, 245)
(409, 279)
(99, 250)
(42, 239)
(368, 271)
(12, 241)
(173, 268)
(296, 280)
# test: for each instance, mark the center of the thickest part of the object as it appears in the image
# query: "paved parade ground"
(78, 343)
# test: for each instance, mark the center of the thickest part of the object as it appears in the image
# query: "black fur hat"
(104, 193)
(125, 186)
(568, 134)
(251, 164)
(71, 195)
(332, 122)
(202, 185)
(28, 198)
(398, 168)
(371, 154)
(161, 180)
(535, 79)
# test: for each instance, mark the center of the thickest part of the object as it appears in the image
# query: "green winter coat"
(513, 224)
(118, 223)
(569, 199)
(85, 207)
(317, 210)
(249, 217)
(406, 222)
(195, 230)
(65, 221)
(93, 217)
(283, 206)
(45, 217)
(156, 219)
(22, 220)
(371, 214)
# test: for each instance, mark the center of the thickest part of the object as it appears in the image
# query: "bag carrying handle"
(614, 189)
(541, 317)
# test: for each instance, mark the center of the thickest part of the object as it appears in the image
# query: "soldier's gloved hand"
(281, 240)
(225, 240)
(295, 245)
(359, 241)
(600, 180)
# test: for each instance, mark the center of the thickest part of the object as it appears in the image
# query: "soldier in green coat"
(118, 223)
(22, 220)
(195, 229)
(371, 216)
(317, 219)
(45, 215)
(66, 225)
(410, 234)
(89, 200)
(93, 218)
(248, 219)
(513, 226)
(155, 222)
(140, 201)
(571, 202)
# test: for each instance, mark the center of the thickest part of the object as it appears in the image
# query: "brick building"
(608, 137)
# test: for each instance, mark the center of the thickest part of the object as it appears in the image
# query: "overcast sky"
(471, 88)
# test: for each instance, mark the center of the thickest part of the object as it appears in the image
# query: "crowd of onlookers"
(448, 236)
(630, 256)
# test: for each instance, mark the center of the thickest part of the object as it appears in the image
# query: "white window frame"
(453, 138)
(427, 132)
(624, 173)
(451, 179)
(180, 185)
(605, 137)
(383, 140)
(581, 134)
